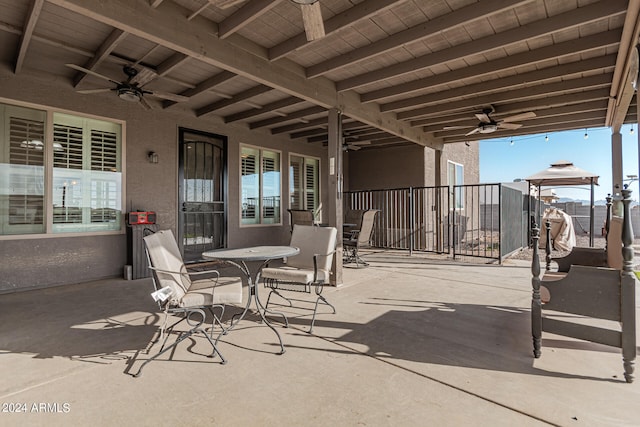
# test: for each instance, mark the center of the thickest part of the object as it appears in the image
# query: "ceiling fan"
(489, 125)
(131, 89)
(353, 145)
(311, 15)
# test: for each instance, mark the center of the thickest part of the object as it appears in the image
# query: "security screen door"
(202, 193)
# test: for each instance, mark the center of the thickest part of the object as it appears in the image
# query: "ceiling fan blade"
(455, 127)
(360, 143)
(353, 147)
(476, 130)
(166, 95)
(225, 4)
(145, 104)
(509, 125)
(144, 76)
(90, 72)
(483, 117)
(312, 20)
(518, 117)
(88, 91)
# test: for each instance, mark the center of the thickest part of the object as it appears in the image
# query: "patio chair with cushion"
(307, 271)
(358, 239)
(179, 295)
(300, 217)
(578, 303)
(595, 257)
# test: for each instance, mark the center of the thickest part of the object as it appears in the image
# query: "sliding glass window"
(260, 186)
(304, 182)
(64, 177)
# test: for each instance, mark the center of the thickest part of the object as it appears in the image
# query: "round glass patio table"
(239, 258)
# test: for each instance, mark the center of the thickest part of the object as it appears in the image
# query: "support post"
(440, 216)
(547, 248)
(616, 166)
(536, 303)
(335, 189)
(628, 292)
(591, 216)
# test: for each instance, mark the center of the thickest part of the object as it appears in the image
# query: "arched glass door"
(202, 193)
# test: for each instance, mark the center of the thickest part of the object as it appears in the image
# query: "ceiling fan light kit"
(488, 128)
(128, 94)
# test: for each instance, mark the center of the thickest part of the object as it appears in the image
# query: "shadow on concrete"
(88, 322)
(494, 338)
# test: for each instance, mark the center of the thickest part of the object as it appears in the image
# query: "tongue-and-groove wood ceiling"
(400, 70)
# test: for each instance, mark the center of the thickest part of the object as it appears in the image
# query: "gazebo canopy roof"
(563, 173)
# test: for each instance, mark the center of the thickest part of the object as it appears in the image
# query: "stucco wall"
(385, 168)
(408, 166)
(467, 155)
(28, 262)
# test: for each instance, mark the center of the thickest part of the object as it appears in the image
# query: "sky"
(502, 161)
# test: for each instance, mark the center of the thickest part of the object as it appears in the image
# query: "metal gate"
(464, 220)
(202, 193)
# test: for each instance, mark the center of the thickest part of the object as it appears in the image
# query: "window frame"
(49, 112)
(304, 187)
(260, 150)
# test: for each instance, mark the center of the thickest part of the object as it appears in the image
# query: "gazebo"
(563, 173)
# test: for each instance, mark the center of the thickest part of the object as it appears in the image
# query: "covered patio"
(401, 88)
(415, 340)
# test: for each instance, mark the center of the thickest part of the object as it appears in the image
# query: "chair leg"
(266, 306)
(349, 255)
(358, 259)
(315, 310)
(183, 335)
(217, 319)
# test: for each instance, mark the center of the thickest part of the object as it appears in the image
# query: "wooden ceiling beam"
(626, 72)
(103, 52)
(322, 122)
(545, 129)
(464, 15)
(203, 86)
(171, 63)
(310, 132)
(562, 22)
(342, 20)
(169, 27)
(27, 33)
(239, 97)
(249, 12)
(533, 123)
(291, 116)
(267, 108)
(468, 120)
(539, 91)
(569, 47)
(602, 63)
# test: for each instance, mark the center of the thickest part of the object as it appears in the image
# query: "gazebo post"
(591, 217)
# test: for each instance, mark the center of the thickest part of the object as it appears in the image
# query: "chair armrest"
(194, 273)
(315, 263)
(190, 273)
(593, 257)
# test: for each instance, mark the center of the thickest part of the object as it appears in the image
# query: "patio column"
(335, 189)
(616, 168)
(437, 182)
(437, 169)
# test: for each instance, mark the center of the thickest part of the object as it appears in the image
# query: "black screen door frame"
(216, 140)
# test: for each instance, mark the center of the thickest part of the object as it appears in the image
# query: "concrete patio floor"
(415, 341)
